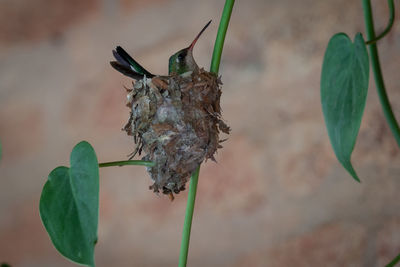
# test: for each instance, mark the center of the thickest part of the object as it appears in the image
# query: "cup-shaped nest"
(175, 121)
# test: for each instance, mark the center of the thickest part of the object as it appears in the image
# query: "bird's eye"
(181, 57)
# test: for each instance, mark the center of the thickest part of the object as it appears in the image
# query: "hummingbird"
(179, 63)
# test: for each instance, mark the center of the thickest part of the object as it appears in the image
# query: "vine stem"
(187, 226)
(388, 27)
(215, 62)
(380, 86)
(219, 42)
(376, 68)
(127, 162)
(394, 261)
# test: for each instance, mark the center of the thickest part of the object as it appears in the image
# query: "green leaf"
(344, 87)
(69, 205)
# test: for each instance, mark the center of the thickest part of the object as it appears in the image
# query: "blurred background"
(277, 196)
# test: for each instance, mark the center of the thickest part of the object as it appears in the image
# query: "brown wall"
(277, 196)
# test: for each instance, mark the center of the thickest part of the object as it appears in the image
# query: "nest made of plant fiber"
(175, 120)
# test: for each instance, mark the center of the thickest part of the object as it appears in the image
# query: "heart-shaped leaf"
(344, 87)
(69, 205)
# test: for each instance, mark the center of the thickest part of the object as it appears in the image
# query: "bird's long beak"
(198, 36)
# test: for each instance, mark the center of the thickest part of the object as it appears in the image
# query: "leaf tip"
(349, 168)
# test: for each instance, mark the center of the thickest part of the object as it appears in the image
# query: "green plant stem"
(187, 226)
(380, 85)
(127, 162)
(219, 42)
(394, 261)
(215, 61)
(388, 27)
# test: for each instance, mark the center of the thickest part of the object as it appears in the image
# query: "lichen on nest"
(175, 120)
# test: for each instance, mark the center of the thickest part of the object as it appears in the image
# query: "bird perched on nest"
(174, 119)
(179, 63)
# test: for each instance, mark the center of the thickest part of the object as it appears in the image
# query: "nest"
(175, 121)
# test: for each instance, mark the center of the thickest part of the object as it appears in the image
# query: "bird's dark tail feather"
(124, 59)
(127, 71)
